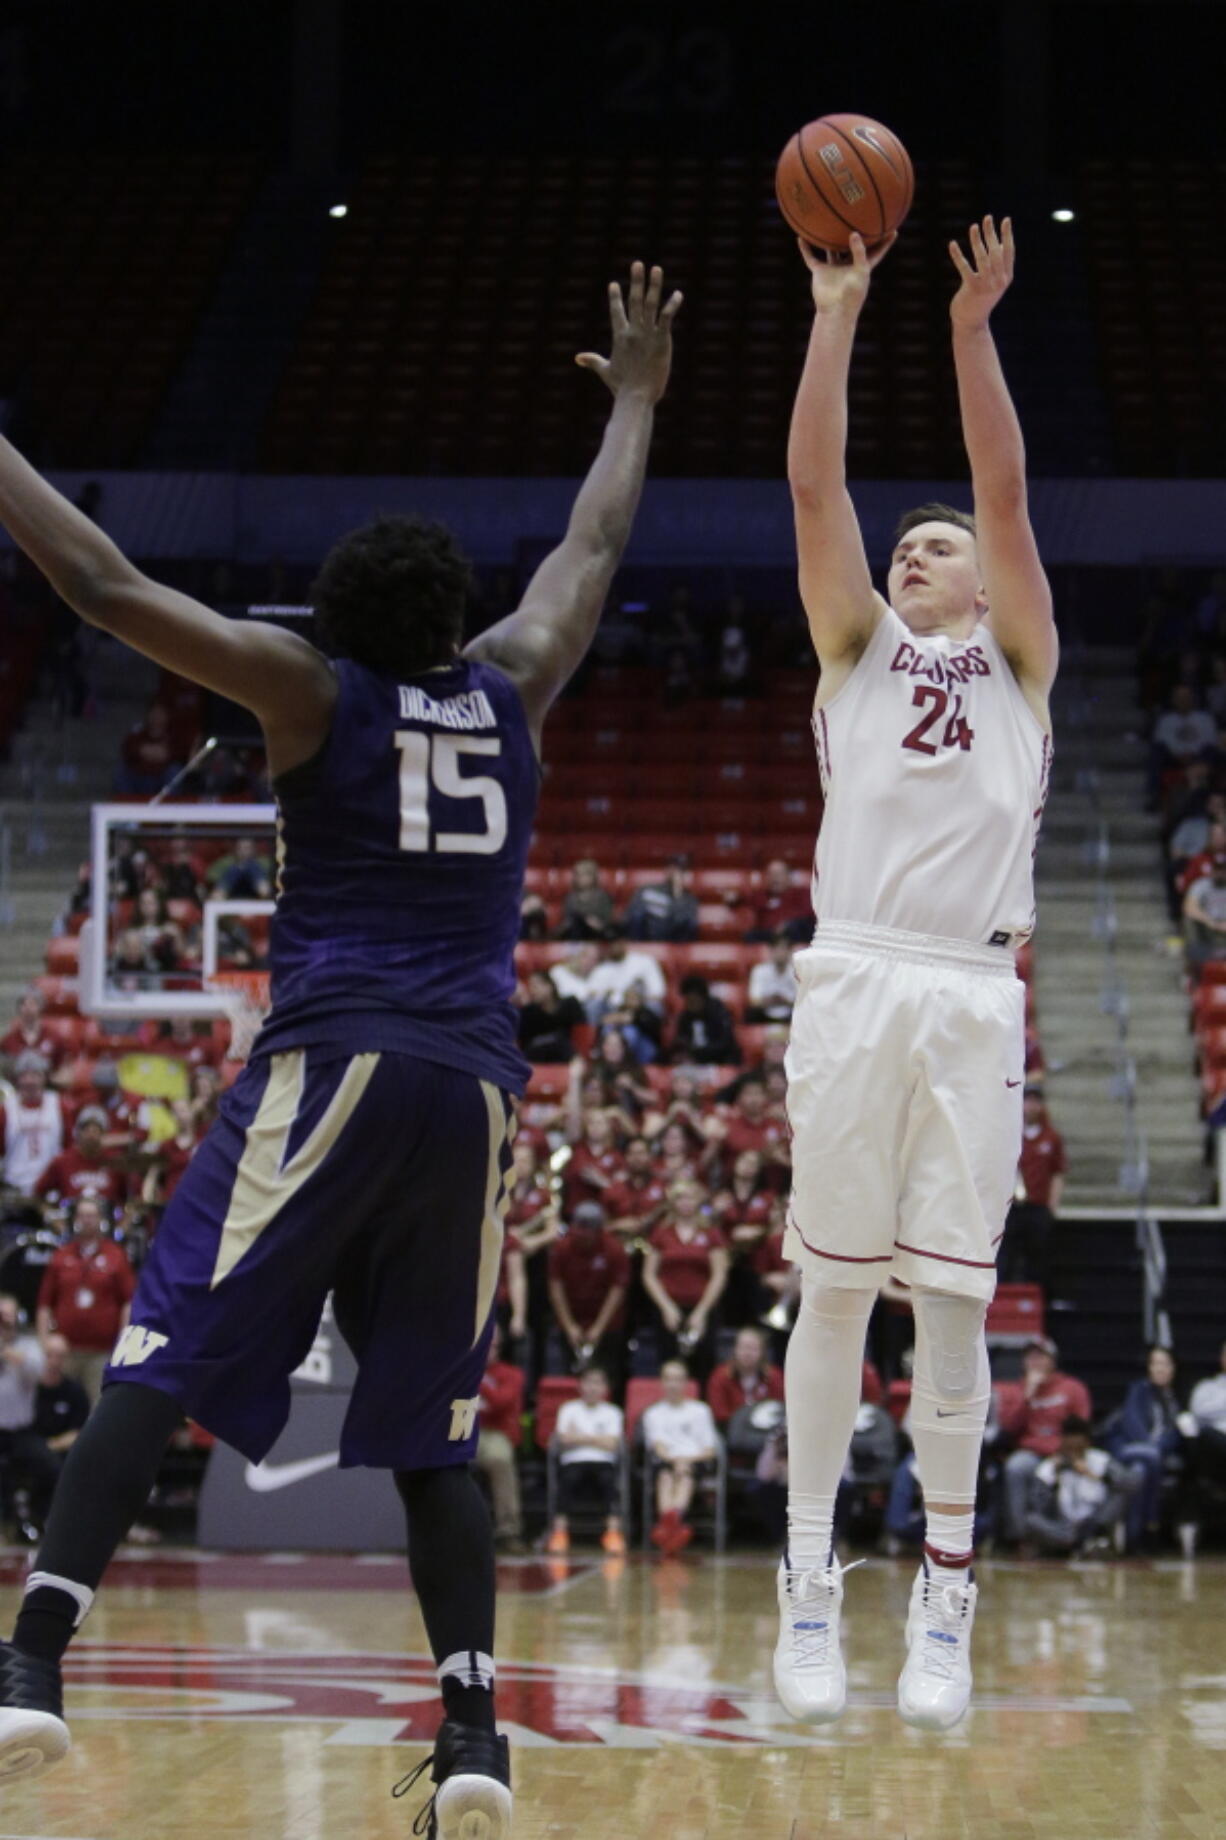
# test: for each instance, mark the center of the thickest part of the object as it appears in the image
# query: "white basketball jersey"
(32, 1136)
(934, 769)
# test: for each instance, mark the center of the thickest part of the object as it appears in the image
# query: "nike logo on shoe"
(264, 1478)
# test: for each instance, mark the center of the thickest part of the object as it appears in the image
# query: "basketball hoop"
(246, 997)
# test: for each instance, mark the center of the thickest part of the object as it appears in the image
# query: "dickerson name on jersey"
(472, 709)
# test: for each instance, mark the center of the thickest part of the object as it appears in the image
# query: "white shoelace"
(944, 1614)
(813, 1598)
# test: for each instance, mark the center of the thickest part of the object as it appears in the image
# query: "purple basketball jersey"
(401, 854)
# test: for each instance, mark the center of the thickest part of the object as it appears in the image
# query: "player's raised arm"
(1019, 598)
(835, 584)
(285, 681)
(542, 643)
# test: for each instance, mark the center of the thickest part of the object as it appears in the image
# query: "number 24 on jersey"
(935, 703)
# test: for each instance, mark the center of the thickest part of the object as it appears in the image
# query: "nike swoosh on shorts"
(263, 1478)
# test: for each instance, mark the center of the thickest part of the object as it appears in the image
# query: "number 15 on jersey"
(431, 763)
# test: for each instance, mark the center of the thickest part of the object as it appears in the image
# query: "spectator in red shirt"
(28, 1034)
(1033, 1421)
(500, 1402)
(205, 1096)
(635, 1202)
(148, 754)
(676, 1157)
(589, 1276)
(684, 1274)
(781, 907)
(181, 1039)
(684, 1106)
(172, 1155)
(86, 1167)
(744, 1380)
(743, 1212)
(86, 1294)
(778, 1280)
(1025, 1256)
(749, 1124)
(595, 1162)
(511, 1297)
(532, 1219)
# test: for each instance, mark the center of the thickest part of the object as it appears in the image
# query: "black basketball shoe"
(472, 1799)
(33, 1734)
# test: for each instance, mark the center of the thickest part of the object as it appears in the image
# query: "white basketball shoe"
(810, 1677)
(934, 1688)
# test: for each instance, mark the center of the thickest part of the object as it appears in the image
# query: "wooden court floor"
(282, 1696)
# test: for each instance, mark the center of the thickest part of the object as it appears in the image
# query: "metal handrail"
(1114, 1001)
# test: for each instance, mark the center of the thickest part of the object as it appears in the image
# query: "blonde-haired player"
(906, 1060)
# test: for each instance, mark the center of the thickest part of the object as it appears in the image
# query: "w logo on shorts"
(463, 1419)
(135, 1346)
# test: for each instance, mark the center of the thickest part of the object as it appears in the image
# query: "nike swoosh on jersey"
(263, 1478)
(1013, 1082)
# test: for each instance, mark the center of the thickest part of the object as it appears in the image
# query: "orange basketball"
(844, 173)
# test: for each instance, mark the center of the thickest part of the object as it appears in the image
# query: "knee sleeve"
(950, 1392)
(824, 1361)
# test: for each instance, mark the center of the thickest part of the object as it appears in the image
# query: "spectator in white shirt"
(573, 978)
(679, 1434)
(618, 970)
(1078, 1496)
(1183, 733)
(32, 1125)
(772, 984)
(588, 1438)
(1208, 1407)
(1204, 915)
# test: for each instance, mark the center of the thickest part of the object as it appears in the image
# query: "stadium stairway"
(247, 330)
(56, 772)
(1099, 778)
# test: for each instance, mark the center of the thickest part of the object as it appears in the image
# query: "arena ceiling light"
(338, 210)
(1063, 215)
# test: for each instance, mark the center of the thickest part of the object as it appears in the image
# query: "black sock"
(107, 1479)
(451, 1558)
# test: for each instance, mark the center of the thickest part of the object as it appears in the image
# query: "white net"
(246, 998)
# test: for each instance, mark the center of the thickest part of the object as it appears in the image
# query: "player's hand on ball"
(842, 280)
(986, 276)
(642, 336)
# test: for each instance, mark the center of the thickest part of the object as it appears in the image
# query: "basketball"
(844, 173)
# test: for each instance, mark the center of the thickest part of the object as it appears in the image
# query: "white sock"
(810, 1532)
(824, 1363)
(80, 1594)
(470, 1667)
(949, 1541)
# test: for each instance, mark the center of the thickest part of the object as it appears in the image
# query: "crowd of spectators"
(647, 1198)
(82, 1187)
(667, 911)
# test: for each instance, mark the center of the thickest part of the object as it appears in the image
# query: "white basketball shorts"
(905, 1072)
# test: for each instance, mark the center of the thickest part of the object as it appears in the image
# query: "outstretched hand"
(642, 337)
(985, 282)
(842, 280)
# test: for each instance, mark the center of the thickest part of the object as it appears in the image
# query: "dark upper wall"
(1012, 82)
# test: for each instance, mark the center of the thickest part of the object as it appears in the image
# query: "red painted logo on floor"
(388, 1699)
